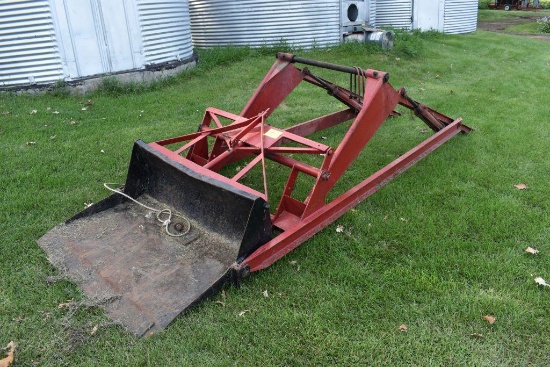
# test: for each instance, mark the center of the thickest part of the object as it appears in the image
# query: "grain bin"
(304, 23)
(43, 41)
(448, 16)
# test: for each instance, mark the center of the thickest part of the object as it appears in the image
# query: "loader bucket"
(121, 256)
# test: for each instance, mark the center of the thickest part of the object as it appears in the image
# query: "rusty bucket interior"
(118, 252)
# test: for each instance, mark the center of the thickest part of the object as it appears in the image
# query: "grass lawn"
(436, 249)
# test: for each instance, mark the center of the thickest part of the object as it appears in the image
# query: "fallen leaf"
(94, 330)
(55, 112)
(402, 327)
(385, 217)
(531, 250)
(34, 112)
(221, 303)
(89, 102)
(87, 205)
(397, 59)
(265, 293)
(5, 113)
(73, 122)
(30, 143)
(477, 335)
(489, 318)
(340, 228)
(48, 108)
(53, 137)
(10, 352)
(84, 108)
(521, 186)
(102, 151)
(65, 304)
(403, 219)
(243, 312)
(542, 282)
(46, 314)
(293, 262)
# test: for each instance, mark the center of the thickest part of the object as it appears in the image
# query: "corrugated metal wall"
(265, 22)
(28, 47)
(165, 30)
(460, 16)
(371, 13)
(394, 13)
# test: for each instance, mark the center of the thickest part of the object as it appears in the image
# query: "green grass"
(435, 249)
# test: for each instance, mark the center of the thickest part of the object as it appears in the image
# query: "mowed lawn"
(435, 252)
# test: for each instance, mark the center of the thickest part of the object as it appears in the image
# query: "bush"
(484, 4)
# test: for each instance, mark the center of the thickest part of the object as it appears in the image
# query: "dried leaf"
(403, 219)
(542, 282)
(89, 102)
(521, 186)
(66, 304)
(102, 151)
(243, 312)
(489, 318)
(34, 112)
(221, 303)
(87, 205)
(402, 327)
(10, 355)
(531, 250)
(55, 112)
(53, 137)
(386, 217)
(397, 59)
(5, 113)
(30, 143)
(340, 228)
(84, 108)
(265, 293)
(477, 335)
(73, 122)
(94, 330)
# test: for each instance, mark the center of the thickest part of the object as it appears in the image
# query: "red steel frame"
(370, 100)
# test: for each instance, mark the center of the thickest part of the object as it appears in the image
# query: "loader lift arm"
(370, 98)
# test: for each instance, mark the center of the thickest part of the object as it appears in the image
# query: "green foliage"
(545, 26)
(484, 4)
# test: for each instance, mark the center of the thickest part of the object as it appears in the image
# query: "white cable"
(159, 212)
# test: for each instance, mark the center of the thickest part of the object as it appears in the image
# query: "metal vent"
(28, 47)
(165, 30)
